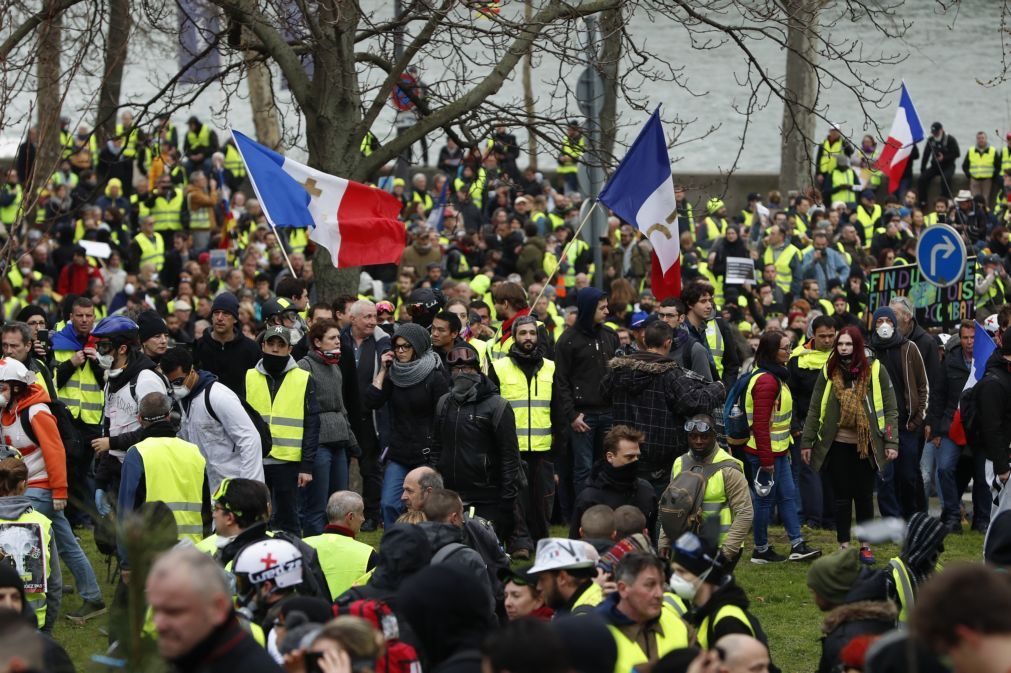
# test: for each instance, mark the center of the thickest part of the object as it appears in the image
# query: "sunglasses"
(697, 426)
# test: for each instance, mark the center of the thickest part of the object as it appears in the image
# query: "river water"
(948, 55)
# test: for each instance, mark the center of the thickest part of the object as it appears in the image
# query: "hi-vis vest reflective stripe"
(201, 140)
(867, 221)
(32, 518)
(9, 213)
(842, 185)
(167, 213)
(129, 140)
(716, 346)
(531, 402)
(151, 252)
(572, 148)
(342, 559)
(709, 623)
(674, 636)
(82, 394)
(174, 474)
(285, 415)
(714, 501)
(904, 586)
(675, 603)
(782, 413)
(829, 154)
(981, 165)
(782, 261)
(877, 413)
(233, 162)
(200, 218)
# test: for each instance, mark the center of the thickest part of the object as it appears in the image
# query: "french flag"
(906, 132)
(358, 224)
(641, 192)
(982, 348)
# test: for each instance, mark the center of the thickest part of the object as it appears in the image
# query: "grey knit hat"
(416, 335)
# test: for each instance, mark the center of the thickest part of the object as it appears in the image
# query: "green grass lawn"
(779, 594)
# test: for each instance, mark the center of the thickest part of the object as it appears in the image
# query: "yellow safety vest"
(298, 239)
(842, 185)
(782, 413)
(714, 228)
(343, 560)
(572, 148)
(782, 261)
(167, 213)
(209, 545)
(878, 412)
(578, 247)
(129, 141)
(285, 414)
(31, 518)
(200, 218)
(82, 394)
(929, 219)
(590, 598)
(981, 165)
(710, 622)
(714, 338)
(867, 221)
(9, 213)
(905, 588)
(995, 293)
(201, 140)
(714, 501)
(151, 252)
(673, 636)
(142, 210)
(174, 474)
(715, 282)
(830, 153)
(425, 199)
(531, 401)
(1005, 161)
(233, 162)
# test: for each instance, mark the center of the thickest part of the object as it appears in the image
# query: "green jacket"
(820, 432)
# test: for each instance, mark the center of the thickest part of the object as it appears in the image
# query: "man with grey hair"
(17, 345)
(343, 558)
(201, 199)
(418, 483)
(193, 614)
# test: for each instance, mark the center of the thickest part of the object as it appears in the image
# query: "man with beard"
(564, 572)
(475, 444)
(653, 393)
(524, 379)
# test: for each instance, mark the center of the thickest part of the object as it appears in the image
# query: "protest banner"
(935, 307)
(23, 547)
(740, 270)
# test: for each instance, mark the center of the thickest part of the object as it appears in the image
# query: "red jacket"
(764, 397)
(74, 279)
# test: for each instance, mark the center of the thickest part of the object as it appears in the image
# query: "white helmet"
(276, 560)
(991, 325)
(12, 370)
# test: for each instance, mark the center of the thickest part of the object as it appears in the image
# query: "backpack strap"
(207, 402)
(26, 425)
(446, 552)
(500, 408)
(440, 406)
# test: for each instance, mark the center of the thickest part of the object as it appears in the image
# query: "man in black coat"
(938, 161)
(224, 350)
(993, 397)
(615, 480)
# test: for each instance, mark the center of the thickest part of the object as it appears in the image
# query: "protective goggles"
(220, 497)
(9, 452)
(701, 427)
(462, 357)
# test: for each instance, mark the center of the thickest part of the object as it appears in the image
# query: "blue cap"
(638, 319)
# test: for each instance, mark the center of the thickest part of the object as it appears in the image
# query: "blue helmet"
(117, 328)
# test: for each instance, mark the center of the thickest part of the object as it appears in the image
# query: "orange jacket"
(47, 465)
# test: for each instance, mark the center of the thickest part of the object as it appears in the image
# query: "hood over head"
(586, 305)
(403, 551)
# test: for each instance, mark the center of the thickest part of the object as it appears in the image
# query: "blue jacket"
(832, 266)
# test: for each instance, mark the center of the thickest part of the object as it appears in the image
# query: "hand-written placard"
(740, 270)
(935, 307)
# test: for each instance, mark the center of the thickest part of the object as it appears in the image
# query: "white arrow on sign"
(948, 247)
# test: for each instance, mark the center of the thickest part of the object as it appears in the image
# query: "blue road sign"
(941, 255)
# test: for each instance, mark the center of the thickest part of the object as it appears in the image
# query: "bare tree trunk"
(116, 46)
(50, 96)
(610, 28)
(528, 92)
(261, 98)
(796, 157)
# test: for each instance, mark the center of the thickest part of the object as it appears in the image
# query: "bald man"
(742, 654)
(343, 558)
(418, 483)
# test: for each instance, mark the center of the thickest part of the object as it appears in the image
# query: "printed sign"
(935, 306)
(219, 260)
(23, 548)
(740, 270)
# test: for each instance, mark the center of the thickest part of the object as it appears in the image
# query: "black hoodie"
(54, 656)
(993, 396)
(729, 594)
(614, 487)
(403, 551)
(581, 357)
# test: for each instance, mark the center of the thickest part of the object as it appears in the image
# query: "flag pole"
(283, 251)
(565, 252)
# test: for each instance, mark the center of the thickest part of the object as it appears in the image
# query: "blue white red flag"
(906, 132)
(641, 192)
(982, 348)
(358, 224)
(438, 213)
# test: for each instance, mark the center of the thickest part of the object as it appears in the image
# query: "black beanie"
(9, 577)
(28, 312)
(150, 324)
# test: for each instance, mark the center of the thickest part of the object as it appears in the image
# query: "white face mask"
(105, 361)
(687, 589)
(129, 288)
(180, 391)
(885, 330)
(3, 400)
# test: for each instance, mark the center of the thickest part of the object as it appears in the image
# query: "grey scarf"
(407, 374)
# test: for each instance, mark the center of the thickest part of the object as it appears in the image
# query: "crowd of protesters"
(169, 358)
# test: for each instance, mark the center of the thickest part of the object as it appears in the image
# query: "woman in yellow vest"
(769, 407)
(39, 569)
(851, 430)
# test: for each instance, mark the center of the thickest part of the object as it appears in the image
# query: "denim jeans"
(888, 503)
(783, 495)
(329, 474)
(67, 545)
(282, 481)
(929, 465)
(585, 448)
(948, 454)
(393, 487)
(810, 496)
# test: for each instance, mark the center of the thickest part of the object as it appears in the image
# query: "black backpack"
(64, 422)
(266, 441)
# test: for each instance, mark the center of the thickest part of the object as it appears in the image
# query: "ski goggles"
(693, 425)
(462, 356)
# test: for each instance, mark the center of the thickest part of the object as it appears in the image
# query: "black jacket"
(615, 487)
(729, 594)
(412, 411)
(358, 379)
(313, 583)
(947, 146)
(581, 357)
(865, 612)
(946, 390)
(993, 395)
(927, 345)
(478, 458)
(228, 361)
(227, 649)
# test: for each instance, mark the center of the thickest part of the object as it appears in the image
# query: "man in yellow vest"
(843, 182)
(573, 146)
(831, 149)
(285, 396)
(167, 205)
(868, 216)
(786, 258)
(162, 467)
(11, 197)
(148, 247)
(714, 225)
(642, 629)
(564, 571)
(343, 558)
(981, 164)
(917, 563)
(524, 378)
(991, 285)
(200, 143)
